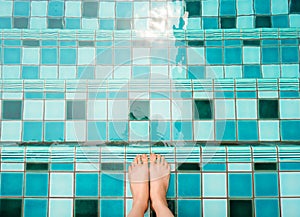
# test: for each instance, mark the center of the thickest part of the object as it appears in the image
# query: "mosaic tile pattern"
(115, 15)
(205, 180)
(175, 55)
(223, 110)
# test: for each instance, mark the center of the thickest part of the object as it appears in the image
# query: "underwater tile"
(11, 207)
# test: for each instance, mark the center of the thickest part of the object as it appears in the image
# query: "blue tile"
(73, 23)
(56, 8)
(227, 8)
(62, 166)
(35, 207)
(290, 130)
(86, 72)
(141, 72)
(21, 8)
(159, 130)
(49, 56)
(214, 55)
(289, 184)
(11, 184)
(280, 21)
(187, 208)
(54, 131)
(214, 167)
(97, 131)
(262, 7)
(107, 24)
(32, 131)
(270, 55)
(251, 71)
(36, 184)
(266, 207)
(247, 130)
(111, 207)
(266, 184)
(225, 130)
(124, 9)
(240, 185)
(290, 54)
(118, 131)
(12, 55)
(210, 23)
(86, 184)
(5, 23)
(185, 181)
(30, 72)
(233, 56)
(182, 131)
(290, 166)
(67, 56)
(112, 184)
(196, 72)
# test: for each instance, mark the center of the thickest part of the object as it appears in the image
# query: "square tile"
(289, 130)
(54, 110)
(240, 185)
(111, 207)
(203, 109)
(96, 131)
(139, 130)
(194, 9)
(182, 131)
(87, 184)
(268, 109)
(56, 8)
(246, 109)
(86, 208)
(61, 207)
(228, 22)
(266, 184)
(11, 110)
(160, 131)
(290, 207)
(289, 109)
(118, 131)
(76, 110)
(112, 184)
(240, 208)
(266, 207)
(11, 207)
(11, 131)
(184, 183)
(118, 110)
(61, 185)
(36, 184)
(32, 131)
(215, 208)
(11, 184)
(269, 130)
(225, 130)
(187, 208)
(214, 185)
(289, 184)
(204, 130)
(251, 55)
(160, 110)
(35, 207)
(54, 131)
(247, 130)
(90, 9)
(139, 110)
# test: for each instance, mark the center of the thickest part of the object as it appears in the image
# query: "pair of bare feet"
(150, 182)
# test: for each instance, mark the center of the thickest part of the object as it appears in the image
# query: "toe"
(144, 158)
(135, 161)
(158, 158)
(152, 158)
(163, 160)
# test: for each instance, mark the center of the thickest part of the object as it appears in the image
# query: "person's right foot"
(159, 180)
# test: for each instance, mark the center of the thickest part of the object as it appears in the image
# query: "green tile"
(86, 43)
(90, 9)
(194, 8)
(112, 166)
(251, 43)
(263, 22)
(84, 208)
(37, 166)
(12, 110)
(55, 23)
(139, 110)
(196, 43)
(295, 6)
(240, 208)
(265, 166)
(188, 167)
(76, 110)
(203, 109)
(268, 109)
(228, 22)
(20, 23)
(10, 207)
(31, 43)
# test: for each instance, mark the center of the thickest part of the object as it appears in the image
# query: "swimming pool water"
(86, 85)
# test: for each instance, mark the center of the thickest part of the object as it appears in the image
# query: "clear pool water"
(86, 85)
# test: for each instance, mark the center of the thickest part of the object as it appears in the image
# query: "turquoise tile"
(289, 184)
(54, 131)
(67, 56)
(60, 207)
(12, 110)
(124, 9)
(214, 56)
(289, 166)
(72, 23)
(227, 8)
(240, 185)
(262, 7)
(187, 208)
(12, 55)
(214, 207)
(290, 207)
(6, 8)
(36, 184)
(266, 207)
(233, 56)
(118, 131)
(21, 8)
(111, 207)
(62, 166)
(184, 183)
(86, 184)
(218, 167)
(214, 185)
(56, 8)
(280, 21)
(182, 131)
(97, 131)
(30, 72)
(289, 130)
(49, 56)
(266, 184)
(247, 130)
(289, 54)
(90, 9)
(160, 131)
(225, 130)
(11, 184)
(35, 207)
(112, 184)
(32, 131)
(61, 185)
(73, 9)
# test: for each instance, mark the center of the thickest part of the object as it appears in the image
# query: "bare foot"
(159, 183)
(139, 177)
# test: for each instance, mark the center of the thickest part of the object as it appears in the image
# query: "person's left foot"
(139, 180)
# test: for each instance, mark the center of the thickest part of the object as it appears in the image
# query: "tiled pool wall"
(216, 92)
(208, 181)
